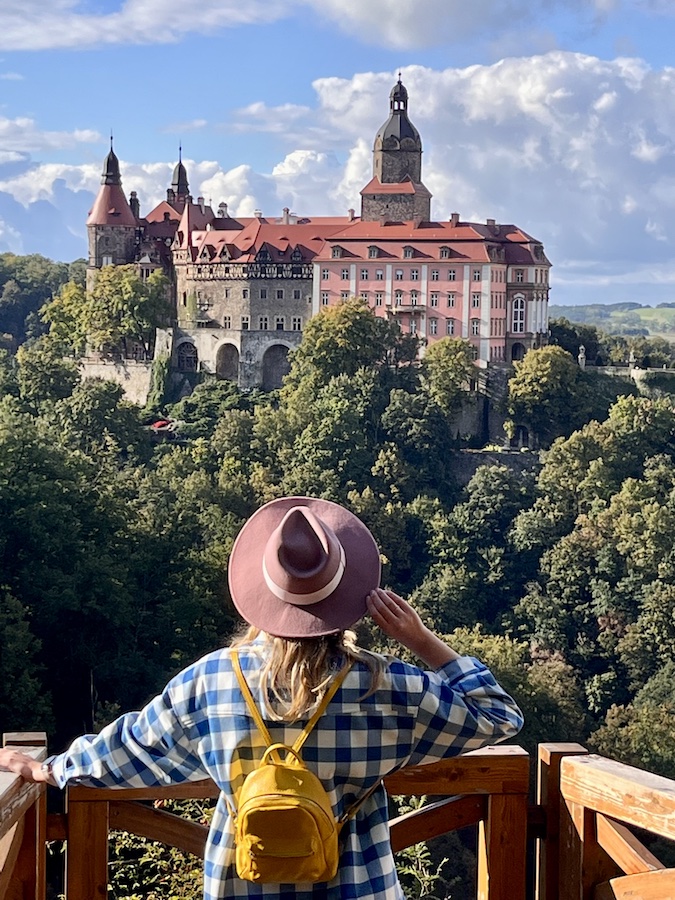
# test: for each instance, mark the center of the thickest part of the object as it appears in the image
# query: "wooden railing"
(577, 831)
(23, 821)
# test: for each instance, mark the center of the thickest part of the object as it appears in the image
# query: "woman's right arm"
(401, 622)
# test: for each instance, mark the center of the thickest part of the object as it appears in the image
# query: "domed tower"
(397, 161)
(111, 225)
(179, 192)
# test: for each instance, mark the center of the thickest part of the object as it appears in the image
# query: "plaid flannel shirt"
(199, 726)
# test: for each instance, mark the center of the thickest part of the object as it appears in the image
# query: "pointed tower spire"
(179, 182)
(111, 167)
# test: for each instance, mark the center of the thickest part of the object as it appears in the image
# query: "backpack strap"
(304, 734)
(258, 719)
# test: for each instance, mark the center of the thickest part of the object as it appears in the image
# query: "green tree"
(67, 317)
(447, 370)
(123, 307)
(543, 395)
(26, 283)
(43, 374)
(340, 341)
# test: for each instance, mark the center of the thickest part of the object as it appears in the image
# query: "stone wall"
(133, 376)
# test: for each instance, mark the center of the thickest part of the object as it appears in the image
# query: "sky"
(554, 115)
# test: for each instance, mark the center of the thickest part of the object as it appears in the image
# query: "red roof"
(375, 186)
(111, 208)
(161, 211)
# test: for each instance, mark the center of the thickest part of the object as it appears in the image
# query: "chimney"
(383, 219)
(417, 221)
(134, 204)
(222, 210)
(200, 203)
(454, 220)
(285, 219)
(257, 213)
(350, 215)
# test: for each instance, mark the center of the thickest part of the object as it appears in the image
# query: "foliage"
(447, 370)
(200, 411)
(159, 383)
(113, 550)
(43, 375)
(122, 308)
(140, 869)
(26, 283)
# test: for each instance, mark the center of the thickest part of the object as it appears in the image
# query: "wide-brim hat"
(302, 567)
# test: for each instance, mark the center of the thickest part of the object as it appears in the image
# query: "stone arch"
(517, 352)
(227, 362)
(186, 357)
(274, 366)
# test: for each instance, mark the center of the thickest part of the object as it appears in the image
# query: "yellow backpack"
(285, 830)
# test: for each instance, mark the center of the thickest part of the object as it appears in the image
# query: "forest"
(558, 571)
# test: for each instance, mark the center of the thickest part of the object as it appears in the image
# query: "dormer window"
(445, 253)
(296, 256)
(337, 253)
(408, 253)
(373, 252)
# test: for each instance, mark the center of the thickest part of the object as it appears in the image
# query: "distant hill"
(627, 319)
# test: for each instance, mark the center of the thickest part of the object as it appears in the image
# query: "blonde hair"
(298, 671)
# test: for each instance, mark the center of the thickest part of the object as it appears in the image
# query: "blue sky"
(556, 115)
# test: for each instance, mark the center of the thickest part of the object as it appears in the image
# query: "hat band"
(306, 599)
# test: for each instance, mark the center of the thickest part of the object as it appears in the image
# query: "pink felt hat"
(302, 567)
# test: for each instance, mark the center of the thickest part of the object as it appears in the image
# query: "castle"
(244, 288)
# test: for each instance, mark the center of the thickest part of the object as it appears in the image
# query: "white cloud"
(43, 24)
(11, 76)
(22, 135)
(10, 239)
(576, 150)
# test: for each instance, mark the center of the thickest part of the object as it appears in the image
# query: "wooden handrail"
(592, 803)
(23, 816)
(487, 787)
(581, 823)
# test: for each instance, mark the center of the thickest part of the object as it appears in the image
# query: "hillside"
(627, 319)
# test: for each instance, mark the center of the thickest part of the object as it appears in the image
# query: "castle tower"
(396, 191)
(179, 192)
(111, 225)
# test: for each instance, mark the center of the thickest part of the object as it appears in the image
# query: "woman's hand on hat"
(396, 617)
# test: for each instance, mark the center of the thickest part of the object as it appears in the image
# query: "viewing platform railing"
(574, 842)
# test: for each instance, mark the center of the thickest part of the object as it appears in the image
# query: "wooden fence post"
(583, 863)
(87, 846)
(502, 849)
(548, 797)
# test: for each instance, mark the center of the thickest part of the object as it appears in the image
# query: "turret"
(111, 225)
(179, 192)
(397, 160)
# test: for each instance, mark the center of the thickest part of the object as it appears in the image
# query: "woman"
(301, 573)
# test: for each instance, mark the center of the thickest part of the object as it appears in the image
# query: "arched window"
(518, 314)
(187, 357)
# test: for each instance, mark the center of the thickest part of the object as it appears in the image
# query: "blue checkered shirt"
(199, 726)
